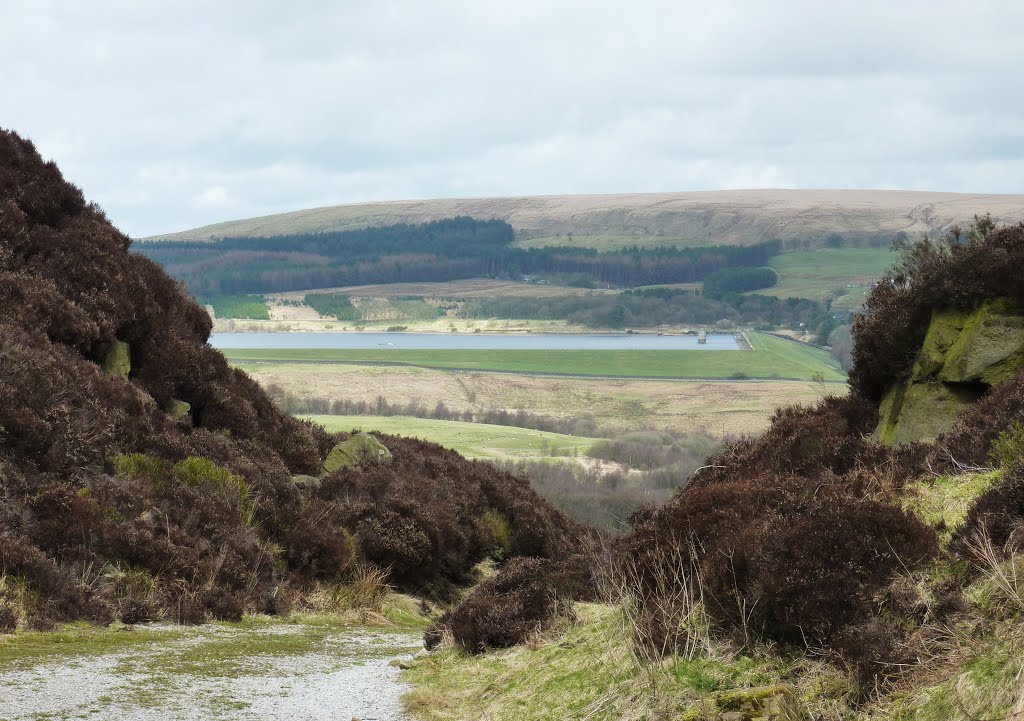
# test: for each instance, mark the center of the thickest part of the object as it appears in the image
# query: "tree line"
(583, 425)
(645, 308)
(738, 280)
(440, 250)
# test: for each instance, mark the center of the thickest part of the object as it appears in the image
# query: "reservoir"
(471, 341)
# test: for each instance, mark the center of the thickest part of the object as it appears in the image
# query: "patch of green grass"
(769, 358)
(845, 273)
(944, 501)
(230, 650)
(249, 307)
(23, 649)
(472, 440)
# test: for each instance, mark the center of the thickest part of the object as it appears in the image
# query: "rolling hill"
(737, 217)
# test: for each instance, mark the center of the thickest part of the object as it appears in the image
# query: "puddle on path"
(268, 671)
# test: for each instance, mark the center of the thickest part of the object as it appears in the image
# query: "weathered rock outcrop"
(964, 353)
(118, 361)
(360, 448)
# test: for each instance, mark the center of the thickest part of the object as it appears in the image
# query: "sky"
(172, 115)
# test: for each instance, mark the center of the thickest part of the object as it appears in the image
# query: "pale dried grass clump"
(365, 591)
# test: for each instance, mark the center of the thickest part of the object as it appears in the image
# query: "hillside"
(727, 217)
(142, 478)
(860, 560)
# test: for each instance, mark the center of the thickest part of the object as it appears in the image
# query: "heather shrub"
(526, 596)
(813, 570)
(430, 515)
(110, 507)
(781, 559)
(802, 441)
(316, 548)
(36, 590)
(973, 438)
(961, 270)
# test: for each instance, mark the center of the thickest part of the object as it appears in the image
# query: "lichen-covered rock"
(889, 414)
(921, 411)
(304, 481)
(943, 331)
(179, 409)
(357, 449)
(963, 354)
(765, 703)
(990, 347)
(118, 361)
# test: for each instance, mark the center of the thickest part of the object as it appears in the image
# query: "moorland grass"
(588, 670)
(617, 405)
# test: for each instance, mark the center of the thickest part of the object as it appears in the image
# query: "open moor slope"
(739, 217)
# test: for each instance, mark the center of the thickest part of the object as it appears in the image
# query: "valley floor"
(721, 408)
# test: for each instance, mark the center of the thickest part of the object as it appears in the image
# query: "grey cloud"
(175, 114)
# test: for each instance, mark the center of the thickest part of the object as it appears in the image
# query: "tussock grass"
(19, 602)
(367, 589)
(589, 670)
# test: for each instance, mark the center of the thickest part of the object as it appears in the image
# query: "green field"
(249, 307)
(827, 272)
(472, 440)
(770, 357)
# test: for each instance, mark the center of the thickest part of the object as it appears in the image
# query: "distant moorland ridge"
(738, 217)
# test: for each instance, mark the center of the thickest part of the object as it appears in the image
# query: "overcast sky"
(176, 114)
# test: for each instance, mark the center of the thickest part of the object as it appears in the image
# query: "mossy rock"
(178, 409)
(304, 481)
(889, 414)
(989, 348)
(943, 332)
(765, 703)
(358, 449)
(118, 361)
(963, 354)
(925, 411)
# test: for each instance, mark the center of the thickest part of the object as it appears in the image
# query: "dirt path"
(266, 671)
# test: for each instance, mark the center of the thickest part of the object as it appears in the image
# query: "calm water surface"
(471, 341)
